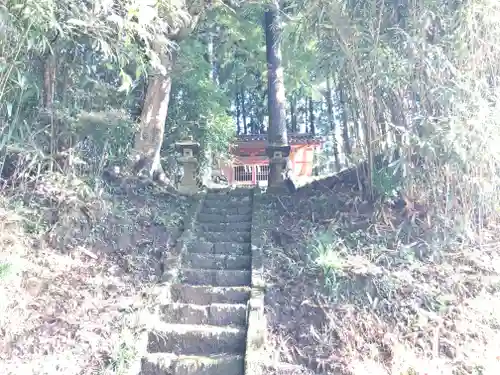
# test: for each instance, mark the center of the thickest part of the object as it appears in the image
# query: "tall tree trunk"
(48, 96)
(262, 129)
(49, 81)
(66, 84)
(369, 136)
(288, 122)
(312, 128)
(277, 134)
(262, 112)
(398, 122)
(345, 121)
(293, 113)
(303, 111)
(207, 149)
(149, 139)
(243, 111)
(211, 57)
(381, 121)
(331, 120)
(238, 114)
(259, 110)
(357, 120)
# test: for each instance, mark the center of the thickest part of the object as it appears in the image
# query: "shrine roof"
(293, 138)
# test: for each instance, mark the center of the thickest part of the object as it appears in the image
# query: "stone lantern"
(189, 160)
(278, 160)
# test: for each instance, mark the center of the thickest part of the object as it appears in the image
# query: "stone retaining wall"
(172, 262)
(171, 266)
(256, 333)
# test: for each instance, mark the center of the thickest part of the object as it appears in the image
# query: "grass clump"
(78, 270)
(383, 299)
(403, 276)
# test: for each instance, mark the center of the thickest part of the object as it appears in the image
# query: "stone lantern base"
(189, 151)
(187, 184)
(278, 163)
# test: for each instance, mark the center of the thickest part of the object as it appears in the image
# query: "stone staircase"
(203, 330)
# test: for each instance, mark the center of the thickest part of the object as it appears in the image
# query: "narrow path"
(204, 328)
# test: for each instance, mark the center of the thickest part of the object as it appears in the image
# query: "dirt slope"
(77, 271)
(366, 288)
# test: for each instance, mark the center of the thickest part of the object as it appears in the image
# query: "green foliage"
(387, 181)
(124, 354)
(326, 256)
(200, 107)
(408, 70)
(109, 132)
(4, 270)
(420, 78)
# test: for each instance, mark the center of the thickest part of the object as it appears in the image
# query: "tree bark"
(381, 121)
(398, 122)
(207, 163)
(49, 81)
(303, 112)
(357, 119)
(48, 96)
(293, 113)
(149, 139)
(211, 57)
(260, 110)
(345, 121)
(244, 112)
(331, 120)
(312, 128)
(277, 132)
(238, 114)
(288, 122)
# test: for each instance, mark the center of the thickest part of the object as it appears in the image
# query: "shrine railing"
(250, 174)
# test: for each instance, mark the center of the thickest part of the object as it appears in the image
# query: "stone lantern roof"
(293, 138)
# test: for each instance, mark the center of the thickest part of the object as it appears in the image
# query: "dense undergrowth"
(400, 279)
(363, 286)
(78, 270)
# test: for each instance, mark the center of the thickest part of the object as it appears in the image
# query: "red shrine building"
(250, 165)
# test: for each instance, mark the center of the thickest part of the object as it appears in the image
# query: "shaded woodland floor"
(360, 287)
(78, 270)
(354, 286)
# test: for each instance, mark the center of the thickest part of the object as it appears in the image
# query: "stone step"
(245, 202)
(195, 276)
(231, 192)
(196, 339)
(211, 200)
(284, 369)
(238, 237)
(224, 227)
(219, 248)
(225, 211)
(216, 314)
(171, 364)
(217, 261)
(205, 295)
(217, 217)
